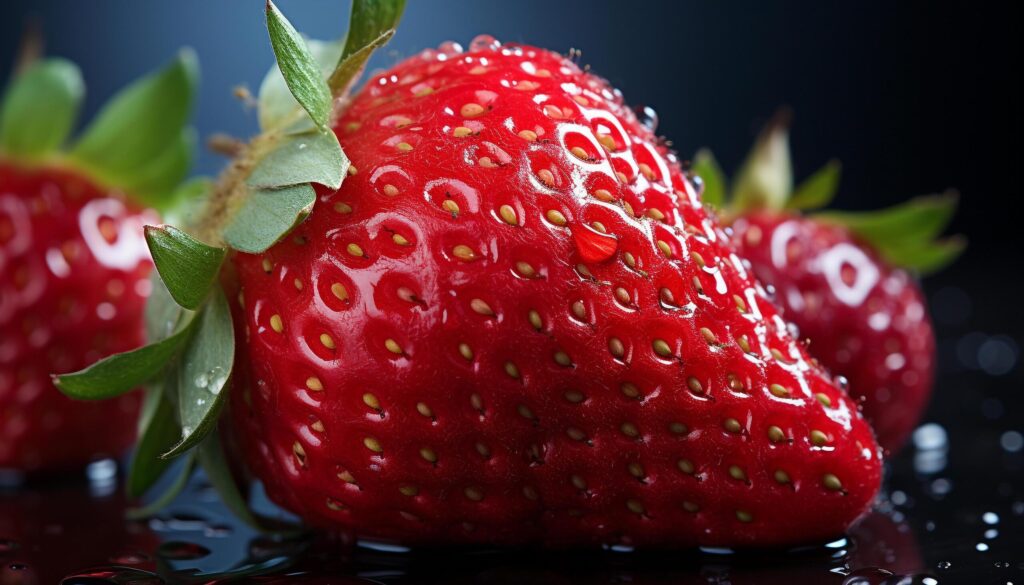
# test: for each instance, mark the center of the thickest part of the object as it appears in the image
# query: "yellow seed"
(709, 337)
(775, 434)
(678, 428)
(563, 359)
(579, 310)
(525, 269)
(450, 206)
(579, 153)
(736, 472)
(732, 425)
(464, 252)
(546, 177)
(556, 217)
(662, 348)
(486, 162)
(831, 482)
(342, 208)
(622, 295)
(461, 132)
(352, 170)
(603, 195)
(691, 507)
(428, 454)
(525, 412)
(508, 215)
(581, 100)
(466, 351)
(778, 355)
(483, 450)
(476, 402)
(781, 476)
(300, 453)
(535, 321)
(403, 146)
(578, 482)
(635, 506)
(371, 401)
(575, 434)
(824, 400)
(621, 176)
(314, 384)
(346, 477)
(530, 493)
(409, 490)
(574, 396)
(697, 286)
(599, 227)
(317, 426)
(686, 466)
(630, 390)
(665, 249)
(528, 135)
(743, 343)
(630, 430)
(646, 171)
(327, 341)
(779, 390)
(399, 239)
(481, 307)
(606, 141)
(422, 408)
(423, 91)
(390, 190)
(543, 73)
(636, 470)
(629, 209)
(819, 438)
(276, 324)
(655, 214)
(267, 265)
(355, 250)
(392, 346)
(698, 259)
(743, 516)
(512, 370)
(297, 283)
(742, 306)
(474, 494)
(471, 110)
(695, 386)
(373, 445)
(615, 346)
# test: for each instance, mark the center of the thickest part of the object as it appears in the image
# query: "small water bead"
(648, 117)
(484, 43)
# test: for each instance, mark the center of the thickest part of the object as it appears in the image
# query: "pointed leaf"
(122, 372)
(155, 183)
(173, 491)
(40, 108)
(213, 461)
(706, 167)
(267, 216)
(135, 127)
(203, 373)
(158, 432)
(368, 20)
(187, 266)
(916, 221)
(163, 315)
(298, 67)
(818, 190)
(765, 180)
(312, 157)
(277, 106)
(929, 258)
(348, 70)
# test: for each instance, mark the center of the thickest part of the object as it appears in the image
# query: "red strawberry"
(514, 323)
(844, 278)
(73, 265)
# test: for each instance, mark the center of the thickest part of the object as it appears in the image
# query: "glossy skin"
(438, 373)
(865, 320)
(73, 279)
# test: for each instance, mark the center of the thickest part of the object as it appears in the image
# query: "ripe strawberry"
(844, 279)
(73, 264)
(513, 323)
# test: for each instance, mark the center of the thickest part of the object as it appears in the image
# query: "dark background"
(912, 98)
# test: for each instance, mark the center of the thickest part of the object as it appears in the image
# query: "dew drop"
(648, 117)
(484, 43)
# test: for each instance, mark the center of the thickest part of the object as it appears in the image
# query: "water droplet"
(842, 383)
(17, 566)
(944, 564)
(648, 117)
(484, 43)
(448, 49)
(182, 551)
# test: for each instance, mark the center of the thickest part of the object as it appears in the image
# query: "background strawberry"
(73, 263)
(845, 279)
(508, 320)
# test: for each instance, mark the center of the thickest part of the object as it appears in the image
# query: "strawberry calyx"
(139, 144)
(907, 235)
(267, 190)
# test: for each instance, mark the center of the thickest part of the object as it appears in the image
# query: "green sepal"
(122, 372)
(371, 25)
(40, 108)
(203, 374)
(277, 106)
(765, 180)
(173, 490)
(135, 127)
(349, 68)
(311, 157)
(268, 215)
(158, 432)
(818, 190)
(715, 184)
(156, 183)
(188, 267)
(298, 67)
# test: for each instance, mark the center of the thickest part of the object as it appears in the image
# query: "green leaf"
(173, 491)
(312, 157)
(706, 167)
(163, 315)
(765, 180)
(913, 222)
(137, 125)
(122, 372)
(158, 432)
(348, 70)
(188, 267)
(818, 190)
(928, 258)
(155, 184)
(267, 216)
(40, 108)
(298, 67)
(213, 461)
(203, 373)
(369, 20)
(276, 104)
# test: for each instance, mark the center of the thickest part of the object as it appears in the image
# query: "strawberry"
(73, 263)
(502, 316)
(846, 280)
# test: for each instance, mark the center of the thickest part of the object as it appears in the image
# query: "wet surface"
(952, 512)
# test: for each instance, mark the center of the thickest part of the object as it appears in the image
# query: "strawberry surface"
(73, 283)
(515, 323)
(864, 318)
